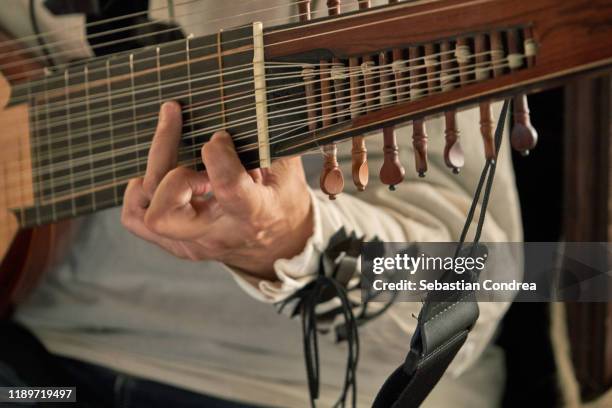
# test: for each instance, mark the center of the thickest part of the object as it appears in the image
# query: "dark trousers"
(24, 362)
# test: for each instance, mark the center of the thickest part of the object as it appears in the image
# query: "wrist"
(292, 229)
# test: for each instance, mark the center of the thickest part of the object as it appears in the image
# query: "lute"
(74, 137)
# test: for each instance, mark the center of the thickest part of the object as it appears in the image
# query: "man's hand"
(246, 219)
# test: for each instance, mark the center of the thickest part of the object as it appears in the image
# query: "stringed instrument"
(73, 137)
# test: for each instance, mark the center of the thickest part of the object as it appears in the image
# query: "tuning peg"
(392, 172)
(453, 153)
(419, 142)
(360, 169)
(486, 130)
(524, 137)
(486, 117)
(359, 152)
(332, 180)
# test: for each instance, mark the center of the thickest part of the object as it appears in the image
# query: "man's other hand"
(246, 219)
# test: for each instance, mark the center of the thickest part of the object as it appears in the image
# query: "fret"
(59, 157)
(46, 149)
(69, 136)
(102, 135)
(36, 162)
(158, 75)
(174, 77)
(89, 139)
(139, 165)
(125, 151)
(146, 104)
(221, 80)
(191, 111)
(80, 164)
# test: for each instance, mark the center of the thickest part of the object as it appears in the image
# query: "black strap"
(443, 324)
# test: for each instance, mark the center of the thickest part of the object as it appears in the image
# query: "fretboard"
(92, 124)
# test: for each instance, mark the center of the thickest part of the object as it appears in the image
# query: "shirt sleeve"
(421, 210)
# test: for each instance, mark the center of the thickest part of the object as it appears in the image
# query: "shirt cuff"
(292, 274)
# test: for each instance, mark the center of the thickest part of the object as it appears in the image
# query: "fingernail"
(167, 108)
(220, 133)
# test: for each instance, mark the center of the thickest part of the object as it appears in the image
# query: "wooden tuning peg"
(486, 130)
(419, 142)
(453, 153)
(332, 180)
(486, 116)
(360, 169)
(359, 156)
(392, 172)
(359, 153)
(524, 137)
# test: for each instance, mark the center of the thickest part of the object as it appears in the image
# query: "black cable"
(310, 296)
(39, 37)
(486, 177)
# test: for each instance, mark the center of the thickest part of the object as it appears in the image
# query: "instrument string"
(355, 2)
(274, 141)
(83, 27)
(62, 107)
(68, 51)
(121, 181)
(416, 80)
(71, 163)
(59, 105)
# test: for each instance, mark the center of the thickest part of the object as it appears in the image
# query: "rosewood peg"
(359, 153)
(486, 130)
(524, 137)
(419, 142)
(453, 153)
(331, 181)
(392, 172)
(360, 169)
